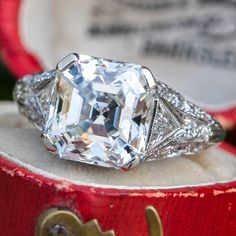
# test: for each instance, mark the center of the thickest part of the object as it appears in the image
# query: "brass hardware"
(62, 222)
(154, 221)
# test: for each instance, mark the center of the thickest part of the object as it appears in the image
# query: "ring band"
(112, 114)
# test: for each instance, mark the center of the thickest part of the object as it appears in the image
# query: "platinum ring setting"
(112, 114)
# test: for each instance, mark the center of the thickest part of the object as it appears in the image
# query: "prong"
(149, 77)
(48, 143)
(131, 164)
(67, 61)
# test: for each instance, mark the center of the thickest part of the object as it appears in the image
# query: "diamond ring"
(112, 114)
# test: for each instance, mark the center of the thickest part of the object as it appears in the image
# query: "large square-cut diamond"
(102, 112)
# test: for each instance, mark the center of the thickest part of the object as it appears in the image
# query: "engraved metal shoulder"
(179, 126)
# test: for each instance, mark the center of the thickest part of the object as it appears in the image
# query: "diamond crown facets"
(101, 112)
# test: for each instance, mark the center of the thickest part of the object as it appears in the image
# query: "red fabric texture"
(203, 211)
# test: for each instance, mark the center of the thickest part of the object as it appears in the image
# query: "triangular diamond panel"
(180, 127)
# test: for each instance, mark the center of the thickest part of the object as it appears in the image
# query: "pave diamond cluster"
(112, 114)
